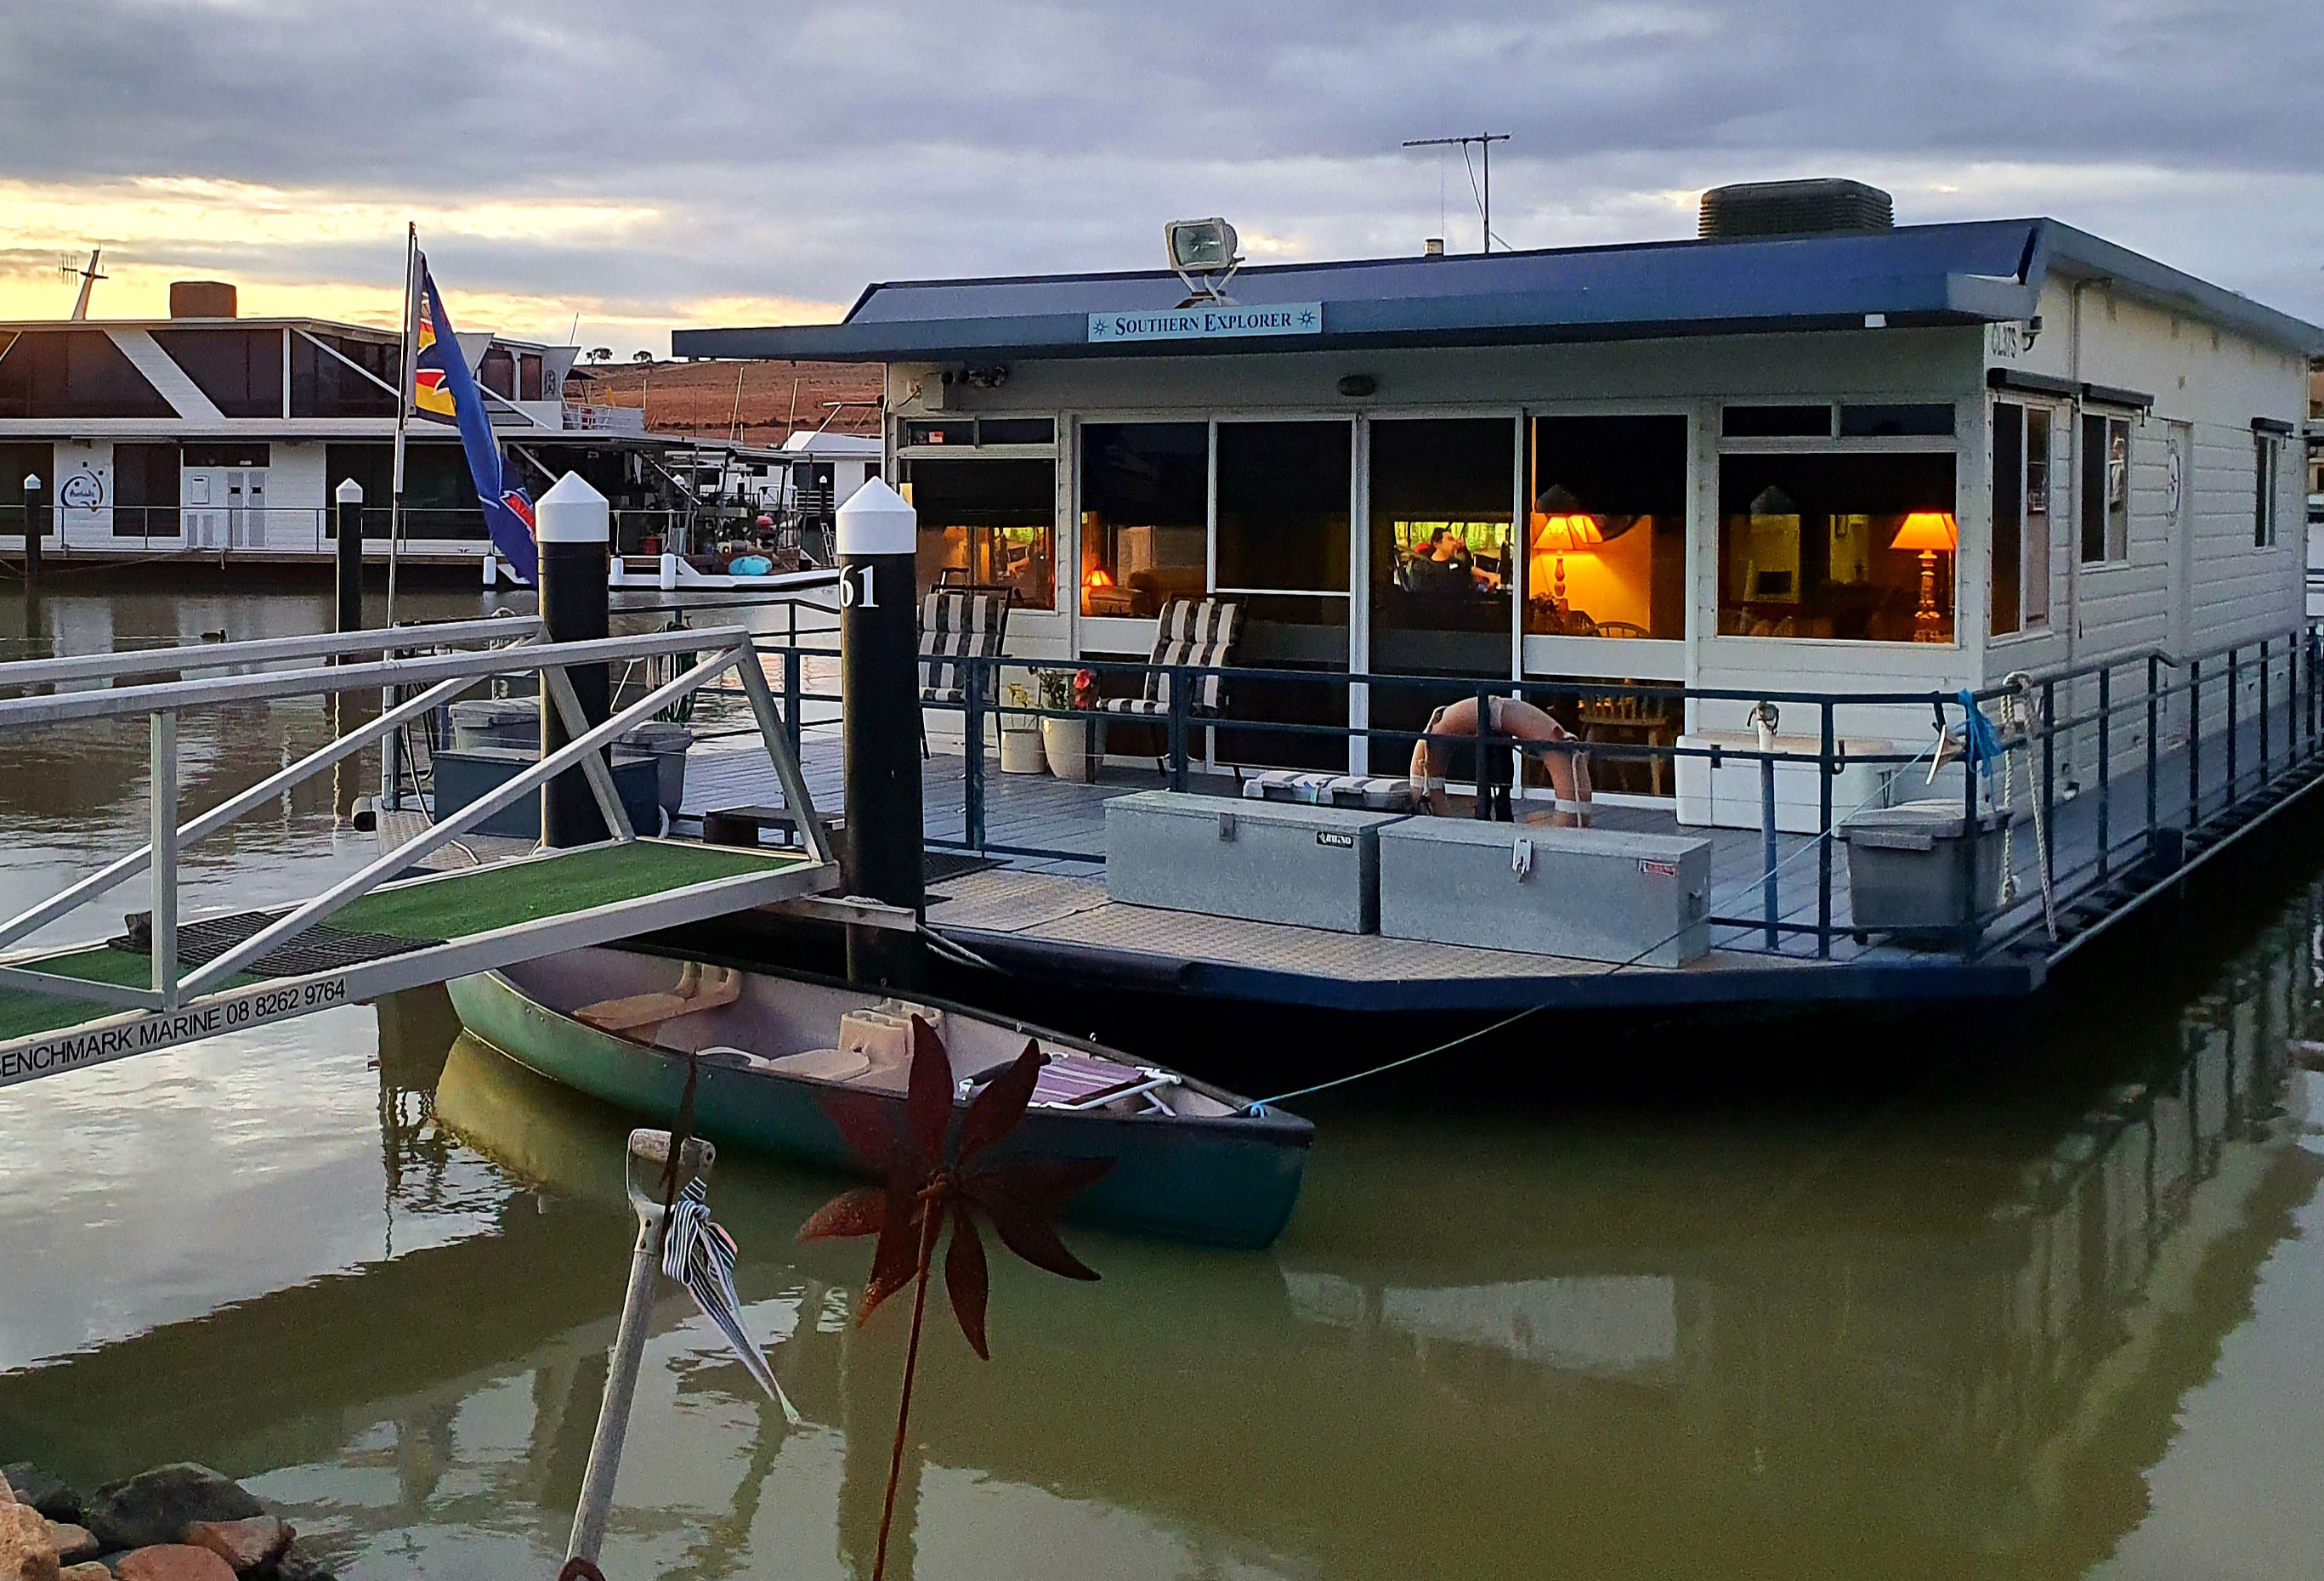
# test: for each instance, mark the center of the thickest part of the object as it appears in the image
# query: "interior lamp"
(1928, 533)
(1097, 578)
(1560, 527)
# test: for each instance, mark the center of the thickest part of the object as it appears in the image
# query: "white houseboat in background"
(1809, 450)
(212, 434)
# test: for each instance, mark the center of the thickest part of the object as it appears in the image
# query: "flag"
(700, 1256)
(444, 390)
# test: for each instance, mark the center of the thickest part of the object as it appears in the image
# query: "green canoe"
(773, 1050)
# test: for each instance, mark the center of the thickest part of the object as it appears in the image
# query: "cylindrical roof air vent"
(1796, 208)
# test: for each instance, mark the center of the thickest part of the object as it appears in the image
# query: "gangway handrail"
(218, 655)
(65, 706)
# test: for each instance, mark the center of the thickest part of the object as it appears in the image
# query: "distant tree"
(641, 356)
(602, 354)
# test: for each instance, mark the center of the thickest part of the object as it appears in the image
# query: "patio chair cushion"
(958, 625)
(1199, 633)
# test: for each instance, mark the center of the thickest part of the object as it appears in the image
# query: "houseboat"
(1808, 449)
(213, 433)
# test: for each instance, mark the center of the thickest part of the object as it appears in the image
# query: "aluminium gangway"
(375, 931)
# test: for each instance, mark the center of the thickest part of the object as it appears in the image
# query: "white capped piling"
(879, 682)
(574, 534)
(349, 561)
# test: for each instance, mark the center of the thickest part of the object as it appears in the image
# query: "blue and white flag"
(444, 390)
(700, 1256)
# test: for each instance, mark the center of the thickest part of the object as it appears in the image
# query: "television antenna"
(88, 277)
(1484, 140)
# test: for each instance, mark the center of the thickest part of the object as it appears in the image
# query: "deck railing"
(2124, 773)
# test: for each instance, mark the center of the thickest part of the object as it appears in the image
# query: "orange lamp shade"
(1097, 578)
(1927, 531)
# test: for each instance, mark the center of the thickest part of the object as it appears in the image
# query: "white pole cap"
(32, 483)
(348, 493)
(572, 513)
(877, 520)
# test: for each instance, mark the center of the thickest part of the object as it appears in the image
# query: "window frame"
(2032, 617)
(2095, 492)
(2267, 492)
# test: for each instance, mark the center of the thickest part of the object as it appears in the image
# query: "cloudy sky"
(645, 166)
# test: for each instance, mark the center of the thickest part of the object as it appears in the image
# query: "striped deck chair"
(1198, 632)
(959, 623)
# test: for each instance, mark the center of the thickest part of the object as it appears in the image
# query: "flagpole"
(403, 403)
(391, 770)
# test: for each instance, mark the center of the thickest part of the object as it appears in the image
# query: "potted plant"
(1022, 750)
(1066, 742)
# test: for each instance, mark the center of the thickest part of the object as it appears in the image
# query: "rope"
(1260, 1106)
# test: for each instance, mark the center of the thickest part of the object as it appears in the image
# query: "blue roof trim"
(1967, 273)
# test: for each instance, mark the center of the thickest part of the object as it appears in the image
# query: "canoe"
(773, 1050)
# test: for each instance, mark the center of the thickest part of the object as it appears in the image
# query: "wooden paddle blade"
(999, 1107)
(860, 1212)
(966, 1279)
(927, 1104)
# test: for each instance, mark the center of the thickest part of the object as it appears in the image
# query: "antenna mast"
(1485, 140)
(88, 277)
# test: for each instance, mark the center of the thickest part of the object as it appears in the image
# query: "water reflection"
(1614, 1349)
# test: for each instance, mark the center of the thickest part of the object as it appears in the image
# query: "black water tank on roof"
(1796, 208)
(201, 298)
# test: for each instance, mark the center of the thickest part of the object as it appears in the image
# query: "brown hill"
(704, 399)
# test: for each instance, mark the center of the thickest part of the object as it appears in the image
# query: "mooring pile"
(181, 1522)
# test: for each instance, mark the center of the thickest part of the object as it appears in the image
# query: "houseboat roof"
(1979, 272)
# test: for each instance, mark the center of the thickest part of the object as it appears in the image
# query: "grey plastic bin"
(1266, 861)
(1904, 866)
(513, 724)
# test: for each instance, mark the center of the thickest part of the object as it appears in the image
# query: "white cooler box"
(1590, 894)
(1728, 797)
(1266, 861)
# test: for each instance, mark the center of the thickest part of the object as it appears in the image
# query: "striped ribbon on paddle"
(700, 1256)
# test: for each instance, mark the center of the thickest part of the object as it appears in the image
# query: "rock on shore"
(182, 1522)
(154, 1507)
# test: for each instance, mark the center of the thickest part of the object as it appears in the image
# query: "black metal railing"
(2134, 768)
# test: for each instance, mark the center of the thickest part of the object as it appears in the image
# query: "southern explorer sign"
(1212, 323)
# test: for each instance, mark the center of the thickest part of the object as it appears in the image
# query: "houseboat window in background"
(324, 385)
(1830, 546)
(19, 461)
(1606, 534)
(1145, 515)
(2105, 489)
(497, 372)
(1442, 499)
(2267, 457)
(2020, 517)
(1284, 506)
(75, 374)
(988, 524)
(240, 369)
(145, 489)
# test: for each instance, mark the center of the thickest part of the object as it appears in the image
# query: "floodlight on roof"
(1202, 249)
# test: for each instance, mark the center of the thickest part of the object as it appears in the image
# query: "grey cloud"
(799, 150)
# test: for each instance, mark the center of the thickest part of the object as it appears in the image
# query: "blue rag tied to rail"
(1979, 741)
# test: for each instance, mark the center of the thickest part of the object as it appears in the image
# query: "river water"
(2056, 1317)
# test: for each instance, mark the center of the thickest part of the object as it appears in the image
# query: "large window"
(1145, 515)
(1855, 546)
(146, 490)
(989, 523)
(1442, 497)
(1606, 534)
(240, 369)
(74, 373)
(1283, 506)
(2021, 517)
(2105, 489)
(2267, 463)
(323, 384)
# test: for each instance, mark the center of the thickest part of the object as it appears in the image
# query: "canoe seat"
(822, 1064)
(697, 990)
(1082, 1080)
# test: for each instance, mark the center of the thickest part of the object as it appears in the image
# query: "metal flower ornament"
(929, 1184)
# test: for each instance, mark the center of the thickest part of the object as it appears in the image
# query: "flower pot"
(1021, 752)
(1066, 743)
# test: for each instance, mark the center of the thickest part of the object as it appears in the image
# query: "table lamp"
(1561, 528)
(1928, 533)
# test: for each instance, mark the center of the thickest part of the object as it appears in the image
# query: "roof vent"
(1796, 208)
(201, 298)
